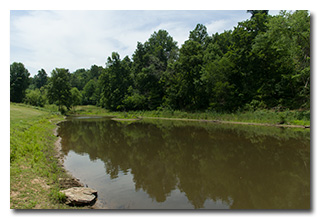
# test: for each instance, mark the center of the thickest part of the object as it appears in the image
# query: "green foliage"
(189, 86)
(134, 100)
(59, 88)
(150, 61)
(40, 79)
(114, 82)
(220, 93)
(199, 34)
(79, 78)
(90, 93)
(36, 97)
(19, 82)
(76, 97)
(58, 196)
(285, 51)
(263, 63)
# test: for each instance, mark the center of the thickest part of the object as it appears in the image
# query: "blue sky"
(79, 39)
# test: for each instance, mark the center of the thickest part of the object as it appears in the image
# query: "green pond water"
(163, 164)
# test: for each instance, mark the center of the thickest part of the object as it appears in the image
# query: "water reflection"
(242, 167)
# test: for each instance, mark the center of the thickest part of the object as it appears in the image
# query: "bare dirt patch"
(40, 182)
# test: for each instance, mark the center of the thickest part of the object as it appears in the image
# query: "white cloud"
(79, 39)
(217, 26)
(61, 39)
(73, 39)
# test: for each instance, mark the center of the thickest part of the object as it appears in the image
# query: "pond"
(165, 164)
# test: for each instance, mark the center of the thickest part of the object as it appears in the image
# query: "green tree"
(76, 97)
(79, 78)
(19, 82)
(219, 90)
(199, 34)
(134, 100)
(36, 97)
(215, 73)
(59, 88)
(255, 12)
(249, 70)
(190, 91)
(114, 82)
(90, 96)
(40, 79)
(284, 51)
(150, 61)
(94, 72)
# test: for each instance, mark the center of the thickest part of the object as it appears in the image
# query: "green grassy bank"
(34, 167)
(272, 117)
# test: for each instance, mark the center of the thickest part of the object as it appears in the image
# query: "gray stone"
(69, 182)
(80, 196)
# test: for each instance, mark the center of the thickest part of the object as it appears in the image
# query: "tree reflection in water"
(246, 167)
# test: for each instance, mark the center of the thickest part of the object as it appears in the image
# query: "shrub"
(35, 98)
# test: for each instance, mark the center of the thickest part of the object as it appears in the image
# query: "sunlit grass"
(288, 117)
(34, 169)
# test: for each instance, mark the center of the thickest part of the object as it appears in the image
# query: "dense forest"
(263, 63)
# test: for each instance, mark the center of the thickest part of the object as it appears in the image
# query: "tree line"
(264, 62)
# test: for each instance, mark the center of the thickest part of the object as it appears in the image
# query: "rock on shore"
(80, 196)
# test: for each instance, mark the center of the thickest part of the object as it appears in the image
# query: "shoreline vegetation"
(36, 172)
(35, 167)
(287, 118)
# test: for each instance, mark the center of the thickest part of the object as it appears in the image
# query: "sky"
(75, 39)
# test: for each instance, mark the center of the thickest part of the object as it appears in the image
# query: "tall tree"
(199, 34)
(249, 69)
(59, 88)
(190, 91)
(94, 72)
(150, 61)
(90, 96)
(19, 82)
(40, 79)
(76, 97)
(114, 82)
(79, 78)
(285, 52)
(216, 70)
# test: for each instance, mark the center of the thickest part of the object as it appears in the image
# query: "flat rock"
(69, 182)
(80, 196)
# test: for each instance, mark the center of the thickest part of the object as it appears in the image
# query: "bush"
(35, 98)
(135, 102)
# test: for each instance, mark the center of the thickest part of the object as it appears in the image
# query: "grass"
(34, 167)
(288, 117)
